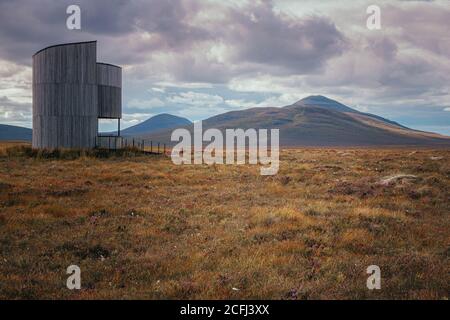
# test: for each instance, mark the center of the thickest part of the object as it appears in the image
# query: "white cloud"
(159, 90)
(145, 104)
(15, 112)
(184, 85)
(197, 99)
(274, 101)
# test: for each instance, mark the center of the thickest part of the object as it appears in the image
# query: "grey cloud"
(382, 47)
(257, 41)
(195, 68)
(377, 67)
(424, 25)
(131, 32)
(27, 26)
(293, 46)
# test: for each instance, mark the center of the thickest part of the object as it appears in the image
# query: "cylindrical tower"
(65, 96)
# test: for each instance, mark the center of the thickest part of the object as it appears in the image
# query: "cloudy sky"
(198, 58)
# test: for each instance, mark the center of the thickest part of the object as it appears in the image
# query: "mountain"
(318, 121)
(156, 123)
(323, 102)
(8, 132)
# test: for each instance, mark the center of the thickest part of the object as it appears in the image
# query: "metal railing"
(119, 142)
(109, 142)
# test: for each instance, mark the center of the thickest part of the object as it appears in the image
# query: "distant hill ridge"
(324, 102)
(318, 121)
(8, 132)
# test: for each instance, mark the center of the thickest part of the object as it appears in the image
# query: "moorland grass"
(142, 227)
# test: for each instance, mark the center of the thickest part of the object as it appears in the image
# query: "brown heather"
(140, 227)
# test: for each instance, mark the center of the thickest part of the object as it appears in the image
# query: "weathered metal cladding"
(109, 80)
(66, 63)
(65, 96)
(64, 132)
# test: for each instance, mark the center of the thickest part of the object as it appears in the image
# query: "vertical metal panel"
(65, 96)
(109, 75)
(109, 80)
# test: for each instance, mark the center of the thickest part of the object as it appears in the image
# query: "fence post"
(158, 147)
(109, 143)
(164, 148)
(151, 146)
(143, 145)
